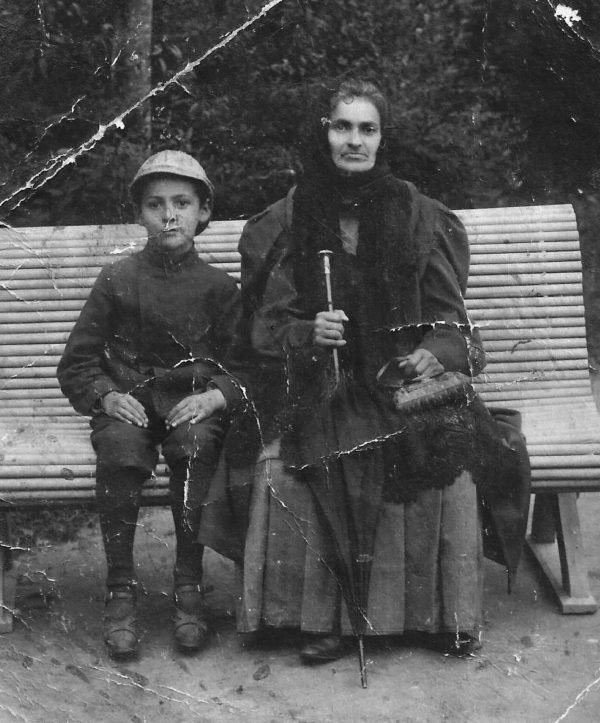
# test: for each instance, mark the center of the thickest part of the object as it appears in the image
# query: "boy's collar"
(168, 259)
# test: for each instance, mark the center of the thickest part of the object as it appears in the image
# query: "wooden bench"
(524, 292)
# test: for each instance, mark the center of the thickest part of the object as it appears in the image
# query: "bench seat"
(524, 293)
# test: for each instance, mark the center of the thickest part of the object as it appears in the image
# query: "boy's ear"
(204, 214)
(206, 208)
(205, 211)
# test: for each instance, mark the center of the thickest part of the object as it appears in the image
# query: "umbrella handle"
(361, 662)
(325, 254)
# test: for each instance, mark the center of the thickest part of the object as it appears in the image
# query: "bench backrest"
(524, 292)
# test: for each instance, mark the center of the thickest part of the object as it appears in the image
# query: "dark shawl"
(380, 291)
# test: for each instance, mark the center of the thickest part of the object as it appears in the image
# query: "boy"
(144, 360)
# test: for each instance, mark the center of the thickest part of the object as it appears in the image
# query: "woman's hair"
(313, 142)
(350, 89)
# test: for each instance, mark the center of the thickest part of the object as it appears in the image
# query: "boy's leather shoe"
(191, 627)
(120, 621)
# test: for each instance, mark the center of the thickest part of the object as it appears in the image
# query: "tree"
(72, 80)
(450, 139)
(549, 64)
(460, 75)
(131, 64)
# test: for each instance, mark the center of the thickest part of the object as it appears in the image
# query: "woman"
(363, 519)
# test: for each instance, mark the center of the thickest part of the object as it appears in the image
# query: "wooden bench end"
(574, 601)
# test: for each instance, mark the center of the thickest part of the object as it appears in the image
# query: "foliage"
(428, 58)
(489, 106)
(34, 527)
(547, 68)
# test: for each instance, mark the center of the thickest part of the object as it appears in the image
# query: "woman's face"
(354, 135)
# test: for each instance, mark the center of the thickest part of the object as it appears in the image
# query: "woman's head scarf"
(387, 253)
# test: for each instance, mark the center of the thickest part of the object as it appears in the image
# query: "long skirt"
(426, 573)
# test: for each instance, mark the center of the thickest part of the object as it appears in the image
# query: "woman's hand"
(196, 407)
(329, 328)
(421, 364)
(125, 408)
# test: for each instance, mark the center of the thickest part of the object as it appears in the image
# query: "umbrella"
(347, 503)
(347, 488)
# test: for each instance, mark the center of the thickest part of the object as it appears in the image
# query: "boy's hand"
(125, 408)
(196, 407)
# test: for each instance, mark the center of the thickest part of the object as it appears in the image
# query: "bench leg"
(543, 525)
(571, 584)
(8, 578)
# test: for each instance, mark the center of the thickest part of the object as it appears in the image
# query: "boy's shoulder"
(124, 266)
(214, 274)
(124, 269)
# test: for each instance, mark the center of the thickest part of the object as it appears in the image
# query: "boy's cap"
(177, 163)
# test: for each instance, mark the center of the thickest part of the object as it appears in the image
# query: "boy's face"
(171, 210)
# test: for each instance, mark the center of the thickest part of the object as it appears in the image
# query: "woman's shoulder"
(275, 218)
(425, 206)
(267, 230)
(432, 217)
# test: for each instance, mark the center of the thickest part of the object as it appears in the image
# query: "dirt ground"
(535, 664)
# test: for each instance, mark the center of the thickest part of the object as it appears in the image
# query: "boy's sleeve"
(81, 372)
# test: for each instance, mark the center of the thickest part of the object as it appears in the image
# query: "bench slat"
(60, 498)
(503, 364)
(85, 267)
(38, 409)
(496, 282)
(43, 393)
(554, 357)
(73, 273)
(550, 326)
(530, 306)
(531, 333)
(508, 396)
(556, 250)
(556, 335)
(14, 383)
(27, 471)
(34, 327)
(547, 324)
(531, 214)
(109, 232)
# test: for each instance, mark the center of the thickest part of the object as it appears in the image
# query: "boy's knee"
(203, 440)
(120, 446)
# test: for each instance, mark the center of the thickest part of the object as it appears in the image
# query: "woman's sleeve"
(274, 317)
(443, 285)
(279, 327)
(227, 322)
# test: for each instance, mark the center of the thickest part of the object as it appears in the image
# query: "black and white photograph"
(299, 361)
